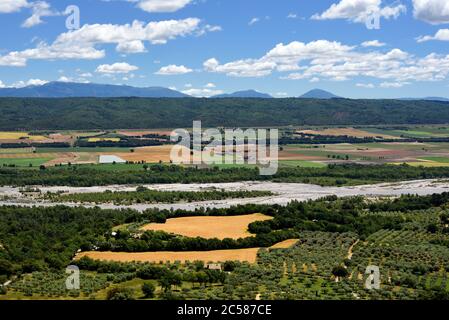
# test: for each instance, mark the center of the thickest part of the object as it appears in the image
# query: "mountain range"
(244, 94)
(76, 90)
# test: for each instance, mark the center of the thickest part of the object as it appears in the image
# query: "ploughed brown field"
(243, 255)
(233, 227)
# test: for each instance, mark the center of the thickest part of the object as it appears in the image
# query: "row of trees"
(332, 175)
(144, 195)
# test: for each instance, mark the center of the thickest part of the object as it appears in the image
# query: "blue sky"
(206, 47)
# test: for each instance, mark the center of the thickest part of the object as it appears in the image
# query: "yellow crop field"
(351, 132)
(20, 135)
(243, 255)
(285, 244)
(233, 227)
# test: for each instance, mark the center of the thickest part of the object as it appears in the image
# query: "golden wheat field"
(233, 227)
(351, 132)
(152, 154)
(285, 244)
(243, 255)
(20, 135)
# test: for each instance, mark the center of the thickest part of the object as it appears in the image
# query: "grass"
(436, 159)
(302, 164)
(15, 150)
(24, 162)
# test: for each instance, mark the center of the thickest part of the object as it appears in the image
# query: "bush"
(120, 294)
(148, 290)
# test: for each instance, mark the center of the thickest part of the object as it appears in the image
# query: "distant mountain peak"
(318, 94)
(244, 94)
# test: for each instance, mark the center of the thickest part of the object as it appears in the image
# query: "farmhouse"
(213, 266)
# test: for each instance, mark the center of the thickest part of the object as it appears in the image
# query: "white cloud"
(359, 10)
(373, 43)
(86, 75)
(441, 35)
(39, 9)
(30, 82)
(335, 61)
(173, 70)
(210, 85)
(365, 85)
(431, 11)
(82, 43)
(202, 92)
(119, 67)
(135, 46)
(65, 79)
(162, 5)
(393, 84)
(241, 68)
(155, 32)
(253, 21)
(8, 6)
(292, 16)
(2, 85)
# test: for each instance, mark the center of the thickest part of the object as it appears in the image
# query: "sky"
(353, 48)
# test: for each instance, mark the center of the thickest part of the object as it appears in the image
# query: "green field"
(436, 159)
(302, 164)
(413, 132)
(24, 162)
(99, 149)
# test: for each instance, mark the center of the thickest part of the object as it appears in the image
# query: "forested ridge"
(112, 113)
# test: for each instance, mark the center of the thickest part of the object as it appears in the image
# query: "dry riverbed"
(283, 193)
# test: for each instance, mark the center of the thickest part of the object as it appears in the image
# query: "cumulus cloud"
(393, 84)
(162, 5)
(334, 61)
(202, 92)
(30, 82)
(373, 43)
(365, 85)
(9, 6)
(2, 85)
(119, 67)
(82, 43)
(441, 35)
(39, 9)
(135, 46)
(360, 10)
(172, 69)
(431, 11)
